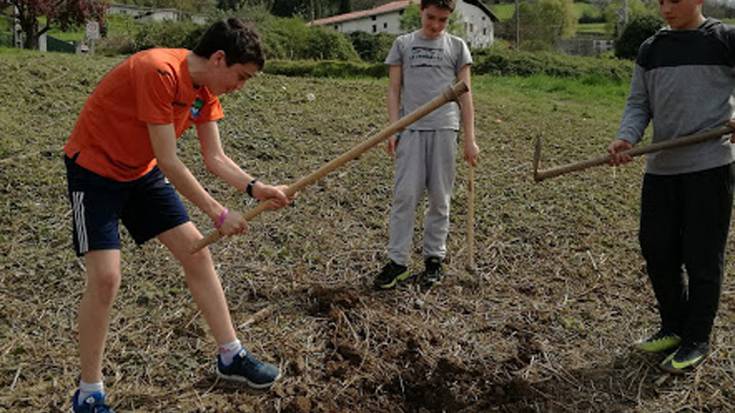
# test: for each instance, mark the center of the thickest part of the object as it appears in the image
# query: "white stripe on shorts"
(81, 226)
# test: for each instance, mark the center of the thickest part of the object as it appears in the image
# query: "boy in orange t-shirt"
(122, 166)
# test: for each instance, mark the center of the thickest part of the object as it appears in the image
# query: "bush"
(372, 47)
(327, 44)
(493, 61)
(635, 33)
(291, 38)
(514, 63)
(325, 68)
(183, 34)
(115, 45)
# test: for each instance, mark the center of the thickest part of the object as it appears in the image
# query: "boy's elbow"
(212, 163)
(168, 165)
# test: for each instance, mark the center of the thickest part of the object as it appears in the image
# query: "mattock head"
(536, 158)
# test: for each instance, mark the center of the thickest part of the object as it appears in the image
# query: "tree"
(543, 22)
(635, 33)
(63, 13)
(615, 10)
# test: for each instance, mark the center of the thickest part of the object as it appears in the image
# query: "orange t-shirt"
(153, 86)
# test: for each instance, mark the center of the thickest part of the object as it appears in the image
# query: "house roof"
(479, 4)
(387, 8)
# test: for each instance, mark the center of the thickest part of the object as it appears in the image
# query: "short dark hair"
(239, 41)
(442, 4)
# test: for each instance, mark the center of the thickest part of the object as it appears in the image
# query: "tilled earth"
(544, 323)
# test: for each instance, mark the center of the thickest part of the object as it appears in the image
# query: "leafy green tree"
(613, 13)
(543, 22)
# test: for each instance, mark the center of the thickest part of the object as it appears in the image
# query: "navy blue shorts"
(147, 206)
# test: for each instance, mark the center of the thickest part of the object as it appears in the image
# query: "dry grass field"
(543, 325)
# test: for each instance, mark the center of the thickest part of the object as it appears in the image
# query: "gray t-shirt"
(429, 67)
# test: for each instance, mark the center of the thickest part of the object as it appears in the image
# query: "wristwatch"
(249, 188)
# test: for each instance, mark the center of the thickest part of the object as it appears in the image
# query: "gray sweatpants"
(425, 160)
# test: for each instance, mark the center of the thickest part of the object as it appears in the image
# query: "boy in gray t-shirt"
(422, 64)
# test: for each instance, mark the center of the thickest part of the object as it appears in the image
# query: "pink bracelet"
(221, 218)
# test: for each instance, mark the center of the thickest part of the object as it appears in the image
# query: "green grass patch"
(586, 8)
(505, 11)
(591, 28)
(589, 88)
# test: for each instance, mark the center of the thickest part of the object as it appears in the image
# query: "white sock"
(228, 351)
(86, 389)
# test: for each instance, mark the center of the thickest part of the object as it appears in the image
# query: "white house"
(478, 20)
(146, 13)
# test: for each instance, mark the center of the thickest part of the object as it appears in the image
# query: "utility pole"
(518, 25)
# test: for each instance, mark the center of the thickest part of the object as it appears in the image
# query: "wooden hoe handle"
(654, 147)
(450, 94)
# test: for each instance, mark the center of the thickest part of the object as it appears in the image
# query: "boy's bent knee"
(103, 286)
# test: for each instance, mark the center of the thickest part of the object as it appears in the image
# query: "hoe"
(450, 94)
(539, 176)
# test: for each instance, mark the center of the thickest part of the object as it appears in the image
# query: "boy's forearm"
(393, 100)
(188, 186)
(468, 117)
(636, 115)
(227, 170)
(163, 141)
(394, 105)
(215, 159)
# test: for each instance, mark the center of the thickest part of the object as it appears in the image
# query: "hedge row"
(325, 68)
(489, 61)
(515, 63)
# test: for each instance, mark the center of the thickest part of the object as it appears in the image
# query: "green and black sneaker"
(390, 275)
(661, 341)
(685, 358)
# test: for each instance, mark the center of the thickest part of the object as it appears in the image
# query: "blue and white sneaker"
(249, 370)
(94, 403)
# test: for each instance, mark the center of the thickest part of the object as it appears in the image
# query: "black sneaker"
(433, 272)
(685, 358)
(390, 275)
(249, 370)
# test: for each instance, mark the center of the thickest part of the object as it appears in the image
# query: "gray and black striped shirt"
(684, 82)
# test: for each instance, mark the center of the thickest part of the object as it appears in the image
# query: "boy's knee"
(197, 259)
(104, 286)
(406, 200)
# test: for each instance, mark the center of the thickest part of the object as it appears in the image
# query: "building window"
(483, 18)
(374, 18)
(472, 27)
(375, 28)
(385, 25)
(336, 27)
(484, 31)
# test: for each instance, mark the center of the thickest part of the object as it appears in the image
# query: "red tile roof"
(386, 8)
